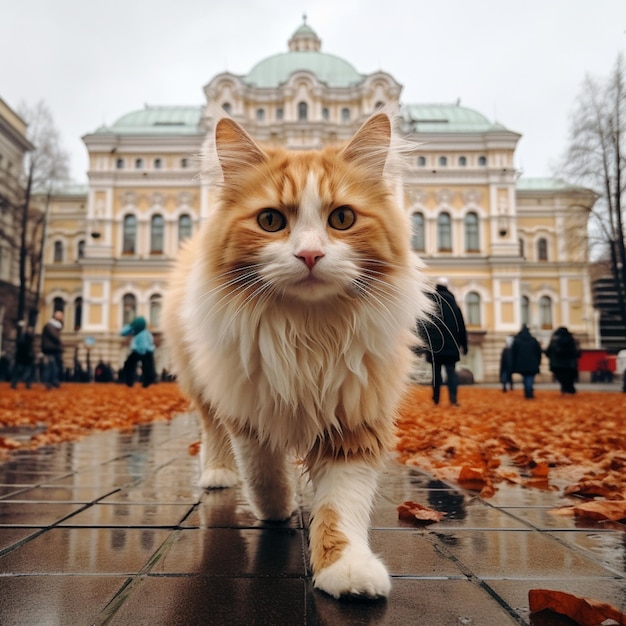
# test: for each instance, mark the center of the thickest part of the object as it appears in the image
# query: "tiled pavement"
(112, 530)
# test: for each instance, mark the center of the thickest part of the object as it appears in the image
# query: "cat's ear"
(369, 147)
(236, 150)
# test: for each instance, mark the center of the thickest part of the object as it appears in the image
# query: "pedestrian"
(52, 348)
(563, 353)
(445, 337)
(526, 353)
(24, 368)
(506, 365)
(141, 349)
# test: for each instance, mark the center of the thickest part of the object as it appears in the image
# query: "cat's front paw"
(354, 574)
(218, 478)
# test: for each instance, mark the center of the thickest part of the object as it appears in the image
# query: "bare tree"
(596, 158)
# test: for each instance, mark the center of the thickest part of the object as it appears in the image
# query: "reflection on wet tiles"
(123, 514)
(530, 554)
(607, 548)
(85, 550)
(56, 599)
(509, 495)
(10, 536)
(35, 513)
(60, 493)
(543, 519)
(235, 552)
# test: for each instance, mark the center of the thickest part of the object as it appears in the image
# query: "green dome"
(175, 120)
(328, 68)
(447, 118)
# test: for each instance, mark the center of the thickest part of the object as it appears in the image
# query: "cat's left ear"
(236, 150)
(369, 147)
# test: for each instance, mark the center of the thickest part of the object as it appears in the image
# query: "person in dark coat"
(24, 368)
(526, 352)
(506, 365)
(563, 353)
(52, 348)
(445, 337)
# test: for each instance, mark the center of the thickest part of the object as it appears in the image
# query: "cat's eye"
(271, 220)
(342, 218)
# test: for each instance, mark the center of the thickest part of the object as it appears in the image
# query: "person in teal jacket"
(141, 349)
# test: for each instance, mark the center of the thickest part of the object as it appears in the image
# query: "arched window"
(462, 161)
(443, 161)
(119, 164)
(158, 164)
(227, 107)
(345, 114)
(155, 310)
(260, 115)
(184, 163)
(418, 240)
(280, 113)
(542, 249)
(138, 164)
(472, 235)
(58, 304)
(157, 226)
(129, 308)
(545, 312)
(421, 161)
(184, 228)
(325, 113)
(58, 252)
(444, 233)
(379, 105)
(78, 313)
(482, 161)
(525, 310)
(472, 308)
(81, 249)
(303, 111)
(130, 234)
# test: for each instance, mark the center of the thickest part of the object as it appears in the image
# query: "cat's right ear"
(236, 150)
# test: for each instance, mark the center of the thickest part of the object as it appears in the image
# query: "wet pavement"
(111, 530)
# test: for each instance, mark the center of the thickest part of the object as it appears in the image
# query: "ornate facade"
(514, 250)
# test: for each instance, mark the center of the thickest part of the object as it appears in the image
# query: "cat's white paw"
(354, 574)
(218, 478)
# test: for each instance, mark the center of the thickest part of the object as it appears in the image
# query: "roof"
(159, 120)
(447, 118)
(543, 184)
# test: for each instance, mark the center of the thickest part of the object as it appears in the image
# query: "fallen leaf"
(417, 514)
(583, 611)
(612, 510)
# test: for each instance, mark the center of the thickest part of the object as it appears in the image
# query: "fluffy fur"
(291, 332)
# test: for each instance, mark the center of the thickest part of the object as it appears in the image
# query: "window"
(78, 313)
(462, 161)
(119, 164)
(227, 107)
(345, 114)
(472, 308)
(542, 249)
(58, 252)
(158, 164)
(303, 111)
(545, 312)
(522, 248)
(81, 249)
(280, 113)
(525, 310)
(379, 105)
(184, 228)
(58, 304)
(184, 163)
(156, 234)
(472, 238)
(417, 229)
(444, 233)
(130, 234)
(482, 161)
(260, 115)
(421, 161)
(155, 310)
(325, 113)
(129, 308)
(138, 164)
(443, 161)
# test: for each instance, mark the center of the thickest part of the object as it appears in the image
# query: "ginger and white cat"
(289, 321)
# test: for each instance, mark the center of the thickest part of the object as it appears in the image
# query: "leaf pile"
(552, 442)
(75, 410)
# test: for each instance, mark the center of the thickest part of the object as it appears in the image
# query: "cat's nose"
(310, 257)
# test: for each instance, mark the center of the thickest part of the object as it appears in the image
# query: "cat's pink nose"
(310, 257)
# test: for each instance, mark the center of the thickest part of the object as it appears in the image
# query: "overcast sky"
(519, 63)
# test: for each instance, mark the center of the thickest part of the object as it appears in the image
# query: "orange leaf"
(583, 611)
(194, 448)
(613, 510)
(417, 514)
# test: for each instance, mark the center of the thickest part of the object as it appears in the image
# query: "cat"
(289, 319)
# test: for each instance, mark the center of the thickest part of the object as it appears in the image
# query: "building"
(14, 144)
(514, 250)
